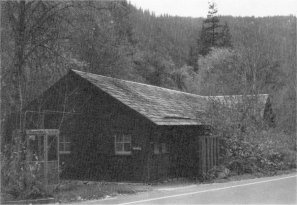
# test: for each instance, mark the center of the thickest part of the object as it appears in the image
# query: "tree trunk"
(19, 56)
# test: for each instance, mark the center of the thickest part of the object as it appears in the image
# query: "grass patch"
(70, 191)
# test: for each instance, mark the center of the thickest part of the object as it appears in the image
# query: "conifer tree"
(210, 32)
(213, 34)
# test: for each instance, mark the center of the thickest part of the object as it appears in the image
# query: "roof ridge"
(233, 95)
(141, 83)
(178, 91)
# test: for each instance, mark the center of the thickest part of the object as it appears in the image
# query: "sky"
(199, 8)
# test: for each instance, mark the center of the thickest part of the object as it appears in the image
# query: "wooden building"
(114, 129)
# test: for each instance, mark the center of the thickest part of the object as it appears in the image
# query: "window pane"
(156, 149)
(67, 146)
(61, 138)
(127, 147)
(61, 147)
(164, 148)
(119, 138)
(52, 148)
(41, 147)
(67, 138)
(119, 147)
(127, 138)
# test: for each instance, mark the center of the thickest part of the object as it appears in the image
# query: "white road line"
(176, 188)
(209, 190)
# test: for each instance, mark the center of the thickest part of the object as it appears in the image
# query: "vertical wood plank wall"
(209, 153)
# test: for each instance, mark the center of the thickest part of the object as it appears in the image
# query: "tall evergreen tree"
(213, 34)
(210, 32)
(212, 24)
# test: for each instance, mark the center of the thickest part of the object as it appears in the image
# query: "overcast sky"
(199, 8)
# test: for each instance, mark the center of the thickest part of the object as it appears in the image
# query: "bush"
(217, 172)
(277, 147)
(256, 152)
(247, 144)
(20, 178)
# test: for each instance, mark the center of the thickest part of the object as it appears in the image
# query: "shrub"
(256, 152)
(217, 172)
(247, 144)
(20, 178)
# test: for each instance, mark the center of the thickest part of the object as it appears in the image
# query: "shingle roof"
(160, 105)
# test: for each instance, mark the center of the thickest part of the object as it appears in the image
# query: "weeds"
(19, 178)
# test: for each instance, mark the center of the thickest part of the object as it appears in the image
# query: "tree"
(225, 38)
(210, 30)
(187, 79)
(104, 38)
(193, 58)
(34, 32)
(221, 73)
(213, 34)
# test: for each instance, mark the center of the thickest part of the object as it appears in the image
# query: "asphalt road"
(269, 190)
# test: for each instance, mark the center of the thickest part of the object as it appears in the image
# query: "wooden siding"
(94, 143)
(209, 153)
(192, 152)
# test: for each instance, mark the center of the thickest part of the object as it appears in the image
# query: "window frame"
(122, 143)
(164, 151)
(157, 149)
(63, 142)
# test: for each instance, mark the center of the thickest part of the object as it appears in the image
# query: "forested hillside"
(41, 40)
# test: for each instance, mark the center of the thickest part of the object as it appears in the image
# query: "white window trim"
(64, 151)
(123, 152)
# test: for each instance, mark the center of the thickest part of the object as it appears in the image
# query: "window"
(160, 148)
(52, 148)
(156, 148)
(164, 148)
(123, 144)
(64, 145)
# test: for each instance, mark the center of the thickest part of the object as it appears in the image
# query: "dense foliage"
(41, 40)
(19, 178)
(248, 145)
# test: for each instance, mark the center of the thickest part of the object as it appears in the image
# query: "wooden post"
(211, 152)
(58, 141)
(215, 151)
(208, 153)
(200, 155)
(45, 160)
(218, 150)
(203, 153)
(217, 156)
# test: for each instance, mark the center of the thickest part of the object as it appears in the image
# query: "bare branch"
(40, 45)
(45, 16)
